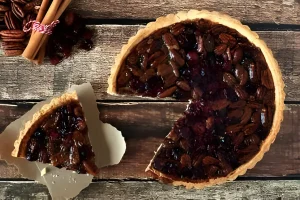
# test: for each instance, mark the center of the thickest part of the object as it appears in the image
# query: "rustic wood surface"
(20, 80)
(274, 11)
(250, 190)
(275, 177)
(144, 133)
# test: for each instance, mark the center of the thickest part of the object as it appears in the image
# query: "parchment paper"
(108, 144)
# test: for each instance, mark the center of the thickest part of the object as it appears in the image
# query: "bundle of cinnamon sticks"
(49, 12)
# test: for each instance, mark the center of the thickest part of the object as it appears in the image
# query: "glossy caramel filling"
(62, 140)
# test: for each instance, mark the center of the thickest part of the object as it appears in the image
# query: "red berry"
(54, 135)
(55, 59)
(87, 34)
(86, 45)
(69, 18)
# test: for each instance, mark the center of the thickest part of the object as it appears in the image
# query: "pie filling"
(62, 140)
(231, 94)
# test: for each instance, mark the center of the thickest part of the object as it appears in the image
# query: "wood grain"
(21, 80)
(266, 190)
(144, 132)
(275, 11)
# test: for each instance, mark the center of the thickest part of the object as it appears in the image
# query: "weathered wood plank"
(144, 132)
(22, 81)
(154, 190)
(276, 11)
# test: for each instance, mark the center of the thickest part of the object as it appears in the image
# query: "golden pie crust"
(30, 126)
(253, 38)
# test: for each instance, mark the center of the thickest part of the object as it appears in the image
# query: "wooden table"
(145, 122)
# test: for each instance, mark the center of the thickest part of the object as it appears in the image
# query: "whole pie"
(233, 84)
(58, 135)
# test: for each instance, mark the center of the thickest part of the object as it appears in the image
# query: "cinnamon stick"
(35, 40)
(62, 8)
(43, 10)
(41, 53)
(49, 18)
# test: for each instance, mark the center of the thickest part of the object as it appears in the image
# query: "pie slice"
(58, 135)
(226, 72)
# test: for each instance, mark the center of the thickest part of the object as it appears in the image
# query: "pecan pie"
(58, 135)
(233, 83)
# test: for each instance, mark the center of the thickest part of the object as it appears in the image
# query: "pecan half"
(250, 128)
(241, 74)
(183, 85)
(229, 79)
(176, 29)
(247, 115)
(164, 70)
(233, 129)
(220, 104)
(238, 104)
(175, 56)
(13, 52)
(169, 80)
(175, 67)
(167, 92)
(208, 160)
(3, 8)
(12, 34)
(227, 39)
(11, 21)
(237, 55)
(170, 41)
(266, 79)
(13, 46)
(219, 50)
(240, 92)
(17, 10)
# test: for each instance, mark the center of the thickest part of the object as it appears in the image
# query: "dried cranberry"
(71, 38)
(67, 51)
(82, 154)
(66, 35)
(227, 66)
(172, 168)
(176, 152)
(79, 26)
(187, 40)
(55, 59)
(31, 157)
(196, 107)
(213, 87)
(199, 128)
(86, 45)
(186, 173)
(251, 88)
(158, 164)
(69, 18)
(87, 34)
(153, 86)
(185, 132)
(39, 135)
(54, 135)
(220, 129)
(192, 57)
(32, 149)
(230, 94)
